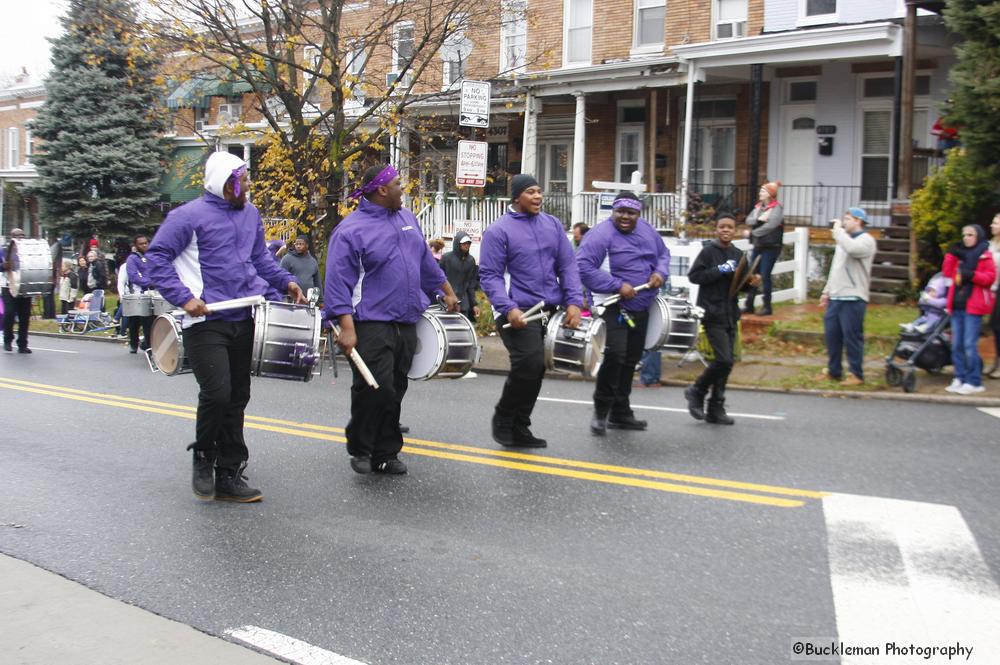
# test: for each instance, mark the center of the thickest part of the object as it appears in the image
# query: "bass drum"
(673, 325)
(33, 273)
(286, 341)
(167, 345)
(447, 347)
(575, 351)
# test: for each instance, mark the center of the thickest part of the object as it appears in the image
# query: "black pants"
(387, 349)
(526, 347)
(622, 350)
(722, 339)
(133, 330)
(220, 353)
(19, 308)
(49, 306)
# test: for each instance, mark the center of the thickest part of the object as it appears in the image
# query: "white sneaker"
(969, 389)
(955, 386)
(469, 375)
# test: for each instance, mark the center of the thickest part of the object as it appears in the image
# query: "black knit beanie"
(519, 183)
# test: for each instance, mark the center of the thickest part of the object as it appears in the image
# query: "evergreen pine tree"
(101, 153)
(975, 100)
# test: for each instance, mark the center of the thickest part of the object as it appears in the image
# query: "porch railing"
(804, 205)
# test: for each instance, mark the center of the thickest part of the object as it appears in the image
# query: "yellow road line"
(303, 430)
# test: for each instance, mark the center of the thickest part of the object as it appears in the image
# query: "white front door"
(798, 154)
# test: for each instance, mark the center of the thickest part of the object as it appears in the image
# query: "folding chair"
(90, 319)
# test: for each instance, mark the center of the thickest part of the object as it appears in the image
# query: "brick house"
(19, 104)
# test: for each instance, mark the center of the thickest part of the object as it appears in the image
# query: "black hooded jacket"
(462, 272)
(721, 309)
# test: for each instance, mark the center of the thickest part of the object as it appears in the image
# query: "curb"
(843, 394)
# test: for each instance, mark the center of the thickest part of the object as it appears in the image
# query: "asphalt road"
(687, 543)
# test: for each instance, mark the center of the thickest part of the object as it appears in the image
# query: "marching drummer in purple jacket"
(614, 257)
(209, 250)
(525, 258)
(379, 276)
(138, 282)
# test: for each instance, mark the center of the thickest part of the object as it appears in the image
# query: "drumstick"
(359, 363)
(535, 308)
(223, 305)
(529, 319)
(615, 298)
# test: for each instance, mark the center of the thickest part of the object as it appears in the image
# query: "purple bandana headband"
(384, 177)
(237, 175)
(627, 203)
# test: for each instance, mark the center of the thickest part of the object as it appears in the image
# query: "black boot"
(626, 422)
(766, 310)
(502, 429)
(716, 413)
(521, 437)
(230, 485)
(599, 424)
(696, 402)
(751, 296)
(203, 475)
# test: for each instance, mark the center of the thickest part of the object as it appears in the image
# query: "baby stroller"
(929, 350)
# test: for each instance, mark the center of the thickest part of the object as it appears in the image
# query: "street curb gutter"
(844, 394)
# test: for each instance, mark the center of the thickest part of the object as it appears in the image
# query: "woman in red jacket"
(970, 266)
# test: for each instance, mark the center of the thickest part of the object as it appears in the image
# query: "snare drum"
(575, 351)
(673, 325)
(167, 345)
(286, 341)
(33, 276)
(137, 304)
(447, 346)
(159, 304)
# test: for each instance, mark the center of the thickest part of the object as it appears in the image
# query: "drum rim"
(261, 318)
(442, 337)
(175, 330)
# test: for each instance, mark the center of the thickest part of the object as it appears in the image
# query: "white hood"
(218, 168)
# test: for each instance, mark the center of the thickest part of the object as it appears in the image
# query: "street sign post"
(475, 107)
(471, 167)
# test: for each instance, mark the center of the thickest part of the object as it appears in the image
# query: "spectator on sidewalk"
(767, 230)
(302, 265)
(845, 297)
(994, 371)
(460, 268)
(437, 247)
(68, 285)
(970, 266)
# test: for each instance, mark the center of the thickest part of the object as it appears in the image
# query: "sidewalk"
(46, 619)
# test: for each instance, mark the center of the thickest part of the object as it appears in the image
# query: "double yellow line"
(664, 481)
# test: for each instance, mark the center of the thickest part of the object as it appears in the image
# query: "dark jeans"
(220, 354)
(387, 349)
(715, 377)
(651, 367)
(622, 350)
(19, 308)
(526, 347)
(768, 257)
(995, 326)
(133, 330)
(965, 329)
(844, 325)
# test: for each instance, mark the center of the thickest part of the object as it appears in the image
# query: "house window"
(12, 146)
(514, 36)
(455, 51)
(28, 146)
(801, 91)
(649, 19)
(820, 7)
(731, 19)
(200, 119)
(629, 140)
(579, 26)
(402, 47)
(880, 87)
(713, 148)
(357, 58)
(311, 62)
(876, 148)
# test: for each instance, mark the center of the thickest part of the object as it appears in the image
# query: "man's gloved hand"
(727, 267)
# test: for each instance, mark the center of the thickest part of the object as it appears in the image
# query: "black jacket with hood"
(721, 309)
(462, 272)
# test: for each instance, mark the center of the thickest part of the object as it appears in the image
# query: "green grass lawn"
(880, 320)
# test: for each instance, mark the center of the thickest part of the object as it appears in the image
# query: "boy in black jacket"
(714, 270)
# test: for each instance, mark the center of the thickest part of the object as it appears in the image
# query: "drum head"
(659, 321)
(598, 335)
(165, 344)
(430, 348)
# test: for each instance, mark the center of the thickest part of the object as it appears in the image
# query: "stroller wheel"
(893, 375)
(910, 381)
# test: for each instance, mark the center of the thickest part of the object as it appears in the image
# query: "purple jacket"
(378, 267)
(607, 258)
(137, 269)
(209, 250)
(535, 252)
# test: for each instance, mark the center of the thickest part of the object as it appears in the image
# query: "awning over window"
(196, 91)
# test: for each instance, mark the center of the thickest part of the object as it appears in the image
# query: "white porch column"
(688, 118)
(246, 153)
(579, 155)
(529, 145)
